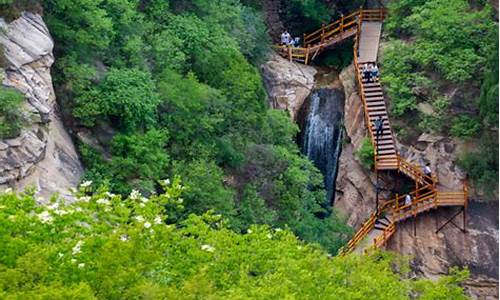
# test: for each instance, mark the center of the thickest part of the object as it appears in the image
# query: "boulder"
(288, 84)
(43, 155)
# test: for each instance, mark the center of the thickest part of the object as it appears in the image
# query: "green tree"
(126, 96)
(137, 162)
(11, 120)
(205, 188)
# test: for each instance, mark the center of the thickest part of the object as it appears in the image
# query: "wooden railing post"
(290, 53)
(306, 59)
(303, 40)
(322, 33)
(342, 24)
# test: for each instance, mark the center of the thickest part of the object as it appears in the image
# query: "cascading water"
(321, 137)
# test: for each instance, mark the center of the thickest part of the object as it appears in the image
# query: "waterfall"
(321, 137)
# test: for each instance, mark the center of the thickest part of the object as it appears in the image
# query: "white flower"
(84, 199)
(81, 266)
(60, 254)
(180, 200)
(278, 229)
(7, 191)
(166, 181)
(77, 249)
(144, 200)
(86, 184)
(45, 217)
(53, 206)
(147, 224)
(109, 194)
(135, 195)
(158, 220)
(207, 248)
(249, 231)
(139, 218)
(73, 260)
(151, 231)
(103, 201)
(142, 205)
(269, 236)
(124, 238)
(60, 212)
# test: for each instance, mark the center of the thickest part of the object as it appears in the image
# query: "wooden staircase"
(365, 26)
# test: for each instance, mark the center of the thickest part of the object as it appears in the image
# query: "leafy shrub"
(366, 153)
(11, 120)
(113, 247)
(205, 188)
(126, 96)
(465, 126)
(481, 165)
(138, 161)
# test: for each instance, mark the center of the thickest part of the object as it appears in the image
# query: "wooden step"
(374, 99)
(385, 142)
(385, 152)
(384, 147)
(378, 113)
(375, 103)
(373, 93)
(371, 84)
(372, 89)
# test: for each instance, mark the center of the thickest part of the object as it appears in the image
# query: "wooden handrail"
(425, 195)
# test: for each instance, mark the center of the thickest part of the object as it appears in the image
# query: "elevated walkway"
(366, 26)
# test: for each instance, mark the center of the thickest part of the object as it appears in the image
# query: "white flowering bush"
(104, 246)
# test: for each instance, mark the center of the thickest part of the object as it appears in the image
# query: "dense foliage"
(11, 119)
(171, 88)
(366, 153)
(105, 246)
(440, 67)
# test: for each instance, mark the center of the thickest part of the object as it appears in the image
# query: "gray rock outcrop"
(43, 154)
(288, 84)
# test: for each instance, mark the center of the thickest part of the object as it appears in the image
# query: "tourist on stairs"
(379, 126)
(407, 199)
(427, 170)
(375, 73)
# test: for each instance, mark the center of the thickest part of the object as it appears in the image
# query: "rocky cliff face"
(355, 192)
(43, 155)
(431, 253)
(288, 84)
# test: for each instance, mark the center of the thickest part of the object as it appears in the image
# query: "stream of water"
(321, 136)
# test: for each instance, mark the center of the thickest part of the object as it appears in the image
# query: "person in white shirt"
(427, 170)
(285, 38)
(407, 199)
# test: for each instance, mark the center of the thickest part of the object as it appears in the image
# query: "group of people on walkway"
(287, 40)
(370, 72)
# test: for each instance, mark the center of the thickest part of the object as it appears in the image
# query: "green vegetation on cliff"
(440, 67)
